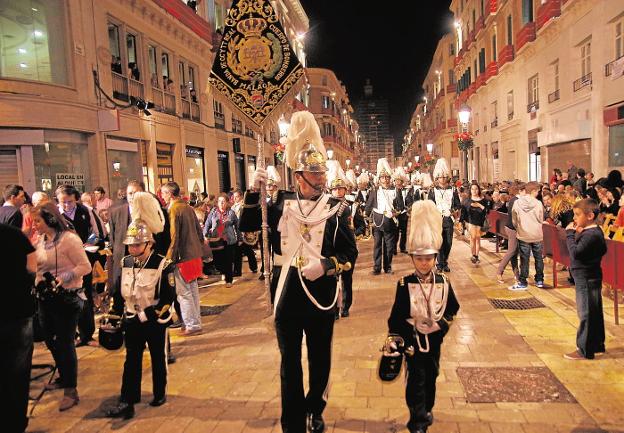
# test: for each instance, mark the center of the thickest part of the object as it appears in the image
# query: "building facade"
(373, 116)
(75, 78)
(329, 102)
(544, 83)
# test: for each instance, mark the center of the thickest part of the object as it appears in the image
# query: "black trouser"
(384, 244)
(16, 340)
(447, 242)
(86, 320)
(224, 261)
(590, 336)
(59, 318)
(136, 335)
(420, 392)
(318, 331)
(347, 288)
(401, 233)
(248, 251)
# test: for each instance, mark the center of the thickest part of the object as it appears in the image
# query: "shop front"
(40, 160)
(239, 166)
(223, 164)
(123, 163)
(195, 173)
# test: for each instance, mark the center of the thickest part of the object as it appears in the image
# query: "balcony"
(609, 67)
(491, 71)
(188, 17)
(494, 123)
(493, 6)
(164, 101)
(533, 107)
(451, 88)
(525, 35)
(125, 88)
(506, 55)
(547, 11)
(451, 123)
(584, 81)
(554, 96)
(481, 79)
(190, 110)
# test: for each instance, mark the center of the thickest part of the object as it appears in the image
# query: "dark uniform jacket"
(338, 242)
(371, 203)
(397, 322)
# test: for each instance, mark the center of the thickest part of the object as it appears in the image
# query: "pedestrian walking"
(221, 230)
(10, 211)
(474, 213)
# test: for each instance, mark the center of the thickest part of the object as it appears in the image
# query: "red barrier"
(497, 222)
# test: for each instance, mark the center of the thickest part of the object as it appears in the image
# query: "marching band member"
(338, 184)
(383, 206)
(400, 179)
(272, 187)
(148, 289)
(423, 310)
(363, 181)
(313, 244)
(447, 201)
(415, 190)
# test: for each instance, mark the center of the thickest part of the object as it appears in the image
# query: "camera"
(48, 288)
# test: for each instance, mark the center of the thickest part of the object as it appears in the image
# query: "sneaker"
(228, 285)
(574, 356)
(518, 287)
(477, 261)
(473, 259)
(539, 284)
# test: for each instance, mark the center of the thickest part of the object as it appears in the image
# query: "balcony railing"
(525, 35)
(157, 96)
(533, 106)
(135, 88)
(494, 123)
(195, 112)
(169, 105)
(186, 109)
(554, 96)
(584, 81)
(120, 87)
(219, 120)
(609, 67)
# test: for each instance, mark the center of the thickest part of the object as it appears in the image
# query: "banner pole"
(265, 222)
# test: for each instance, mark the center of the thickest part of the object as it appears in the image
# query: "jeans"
(590, 336)
(59, 318)
(526, 249)
(16, 340)
(512, 253)
(188, 297)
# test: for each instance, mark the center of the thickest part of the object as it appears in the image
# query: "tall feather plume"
(303, 129)
(147, 208)
(425, 227)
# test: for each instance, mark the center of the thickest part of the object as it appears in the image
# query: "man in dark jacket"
(10, 212)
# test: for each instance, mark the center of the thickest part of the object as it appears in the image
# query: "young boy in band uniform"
(423, 310)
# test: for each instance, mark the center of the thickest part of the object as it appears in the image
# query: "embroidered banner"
(255, 66)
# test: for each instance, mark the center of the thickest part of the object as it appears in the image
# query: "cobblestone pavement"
(227, 380)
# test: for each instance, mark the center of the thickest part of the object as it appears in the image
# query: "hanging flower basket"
(429, 161)
(279, 149)
(464, 141)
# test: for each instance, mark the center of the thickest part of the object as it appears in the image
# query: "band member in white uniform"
(415, 190)
(400, 180)
(447, 201)
(382, 207)
(313, 244)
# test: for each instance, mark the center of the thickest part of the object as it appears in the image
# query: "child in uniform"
(422, 313)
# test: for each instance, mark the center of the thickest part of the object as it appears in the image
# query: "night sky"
(391, 43)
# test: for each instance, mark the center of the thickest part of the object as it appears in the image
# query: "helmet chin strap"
(142, 252)
(316, 188)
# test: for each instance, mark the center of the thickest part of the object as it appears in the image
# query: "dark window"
(509, 31)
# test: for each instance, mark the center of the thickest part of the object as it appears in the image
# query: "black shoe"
(344, 313)
(158, 401)
(171, 359)
(254, 271)
(316, 423)
(337, 315)
(388, 271)
(473, 259)
(237, 274)
(447, 269)
(403, 251)
(375, 272)
(261, 277)
(122, 410)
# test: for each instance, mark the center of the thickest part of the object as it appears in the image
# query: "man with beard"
(383, 206)
(447, 201)
(313, 244)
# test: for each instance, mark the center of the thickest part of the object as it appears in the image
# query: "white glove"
(259, 176)
(392, 350)
(313, 270)
(423, 328)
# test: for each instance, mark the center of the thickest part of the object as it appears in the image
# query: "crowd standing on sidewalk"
(69, 237)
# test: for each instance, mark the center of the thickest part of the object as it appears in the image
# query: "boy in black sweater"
(586, 244)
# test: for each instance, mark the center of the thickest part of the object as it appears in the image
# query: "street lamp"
(330, 153)
(429, 147)
(348, 162)
(464, 118)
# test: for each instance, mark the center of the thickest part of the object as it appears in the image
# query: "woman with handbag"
(475, 209)
(221, 230)
(61, 264)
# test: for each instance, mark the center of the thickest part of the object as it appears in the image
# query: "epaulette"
(402, 281)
